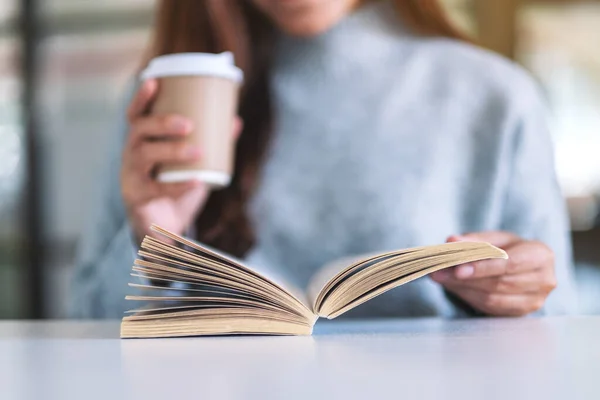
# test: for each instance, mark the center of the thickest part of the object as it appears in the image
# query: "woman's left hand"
(514, 287)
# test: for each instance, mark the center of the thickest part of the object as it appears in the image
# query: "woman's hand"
(514, 287)
(155, 140)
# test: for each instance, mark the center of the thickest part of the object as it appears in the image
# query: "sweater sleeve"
(534, 206)
(106, 250)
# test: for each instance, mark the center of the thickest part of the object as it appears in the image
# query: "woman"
(367, 125)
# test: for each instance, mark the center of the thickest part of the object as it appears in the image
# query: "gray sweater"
(383, 140)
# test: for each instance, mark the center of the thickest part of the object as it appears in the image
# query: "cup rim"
(214, 178)
(194, 64)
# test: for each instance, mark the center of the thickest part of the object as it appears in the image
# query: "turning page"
(208, 293)
(268, 274)
(345, 284)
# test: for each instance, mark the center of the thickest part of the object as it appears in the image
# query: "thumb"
(500, 239)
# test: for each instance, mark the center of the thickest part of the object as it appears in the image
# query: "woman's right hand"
(155, 140)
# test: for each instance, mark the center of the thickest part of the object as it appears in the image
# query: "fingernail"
(150, 83)
(456, 238)
(180, 124)
(441, 276)
(465, 271)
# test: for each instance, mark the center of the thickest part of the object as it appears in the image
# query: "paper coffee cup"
(204, 88)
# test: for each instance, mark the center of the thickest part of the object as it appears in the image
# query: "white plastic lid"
(186, 64)
(214, 178)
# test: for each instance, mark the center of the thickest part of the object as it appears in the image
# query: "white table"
(555, 358)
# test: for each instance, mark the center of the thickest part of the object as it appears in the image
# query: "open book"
(193, 290)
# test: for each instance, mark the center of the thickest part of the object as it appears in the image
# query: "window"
(559, 44)
(91, 53)
(12, 167)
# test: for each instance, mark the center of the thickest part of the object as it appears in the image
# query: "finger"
(492, 268)
(497, 238)
(151, 154)
(482, 269)
(522, 257)
(497, 304)
(155, 127)
(533, 282)
(530, 255)
(476, 270)
(140, 103)
(176, 190)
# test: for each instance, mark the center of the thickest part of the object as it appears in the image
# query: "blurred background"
(65, 64)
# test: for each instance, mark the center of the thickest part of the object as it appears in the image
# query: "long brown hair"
(214, 26)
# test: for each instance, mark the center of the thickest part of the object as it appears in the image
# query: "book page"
(267, 274)
(328, 272)
(370, 277)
